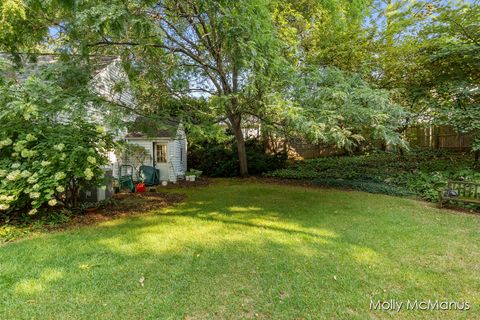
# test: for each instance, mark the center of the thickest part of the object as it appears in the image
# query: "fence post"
(436, 137)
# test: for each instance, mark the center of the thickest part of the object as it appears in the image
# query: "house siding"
(176, 153)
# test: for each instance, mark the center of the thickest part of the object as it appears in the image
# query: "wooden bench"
(468, 192)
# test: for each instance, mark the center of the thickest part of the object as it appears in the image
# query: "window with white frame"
(161, 154)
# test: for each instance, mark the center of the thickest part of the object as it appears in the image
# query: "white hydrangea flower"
(28, 153)
(60, 175)
(34, 195)
(91, 160)
(19, 145)
(60, 189)
(45, 163)
(32, 179)
(36, 186)
(32, 212)
(4, 206)
(16, 165)
(59, 147)
(14, 175)
(30, 137)
(52, 202)
(7, 199)
(25, 174)
(88, 174)
(5, 142)
(3, 173)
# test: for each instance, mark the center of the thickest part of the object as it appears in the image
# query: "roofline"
(147, 137)
(59, 54)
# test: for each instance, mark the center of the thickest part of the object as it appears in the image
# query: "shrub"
(47, 165)
(221, 160)
(47, 149)
(362, 185)
(421, 172)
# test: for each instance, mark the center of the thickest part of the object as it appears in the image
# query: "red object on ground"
(140, 187)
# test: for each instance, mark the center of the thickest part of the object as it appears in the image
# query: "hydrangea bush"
(48, 149)
(49, 165)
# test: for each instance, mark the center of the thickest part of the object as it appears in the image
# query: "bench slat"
(468, 192)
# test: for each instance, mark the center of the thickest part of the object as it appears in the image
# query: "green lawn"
(239, 250)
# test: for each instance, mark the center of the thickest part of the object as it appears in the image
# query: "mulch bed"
(128, 204)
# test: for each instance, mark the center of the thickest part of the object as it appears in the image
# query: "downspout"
(153, 154)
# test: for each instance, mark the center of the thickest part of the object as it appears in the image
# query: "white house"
(166, 148)
(166, 151)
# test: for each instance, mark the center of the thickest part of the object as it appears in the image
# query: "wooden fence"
(421, 137)
(438, 138)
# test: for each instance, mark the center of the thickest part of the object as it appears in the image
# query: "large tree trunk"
(236, 122)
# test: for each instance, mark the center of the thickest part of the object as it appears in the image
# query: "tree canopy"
(341, 72)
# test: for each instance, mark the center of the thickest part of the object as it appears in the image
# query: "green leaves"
(47, 146)
(340, 108)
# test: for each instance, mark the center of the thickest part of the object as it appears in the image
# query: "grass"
(239, 250)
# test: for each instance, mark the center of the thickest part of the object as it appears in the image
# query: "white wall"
(177, 153)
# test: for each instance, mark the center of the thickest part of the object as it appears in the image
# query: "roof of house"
(105, 73)
(144, 127)
(97, 62)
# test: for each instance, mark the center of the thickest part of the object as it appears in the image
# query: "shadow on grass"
(232, 254)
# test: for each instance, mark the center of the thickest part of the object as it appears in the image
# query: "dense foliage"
(219, 160)
(341, 109)
(421, 173)
(47, 149)
(232, 62)
(341, 72)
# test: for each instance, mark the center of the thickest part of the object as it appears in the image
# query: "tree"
(453, 51)
(339, 108)
(222, 63)
(225, 50)
(326, 33)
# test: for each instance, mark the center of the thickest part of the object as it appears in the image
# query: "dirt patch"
(141, 202)
(128, 204)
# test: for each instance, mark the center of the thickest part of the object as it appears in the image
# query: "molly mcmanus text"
(396, 305)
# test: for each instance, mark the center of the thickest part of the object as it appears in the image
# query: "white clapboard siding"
(148, 145)
(109, 80)
(172, 168)
(179, 150)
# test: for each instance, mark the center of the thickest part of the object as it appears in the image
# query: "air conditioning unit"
(99, 193)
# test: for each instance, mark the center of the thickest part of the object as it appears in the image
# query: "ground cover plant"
(243, 250)
(420, 172)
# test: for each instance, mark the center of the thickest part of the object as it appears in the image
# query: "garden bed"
(420, 173)
(122, 205)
